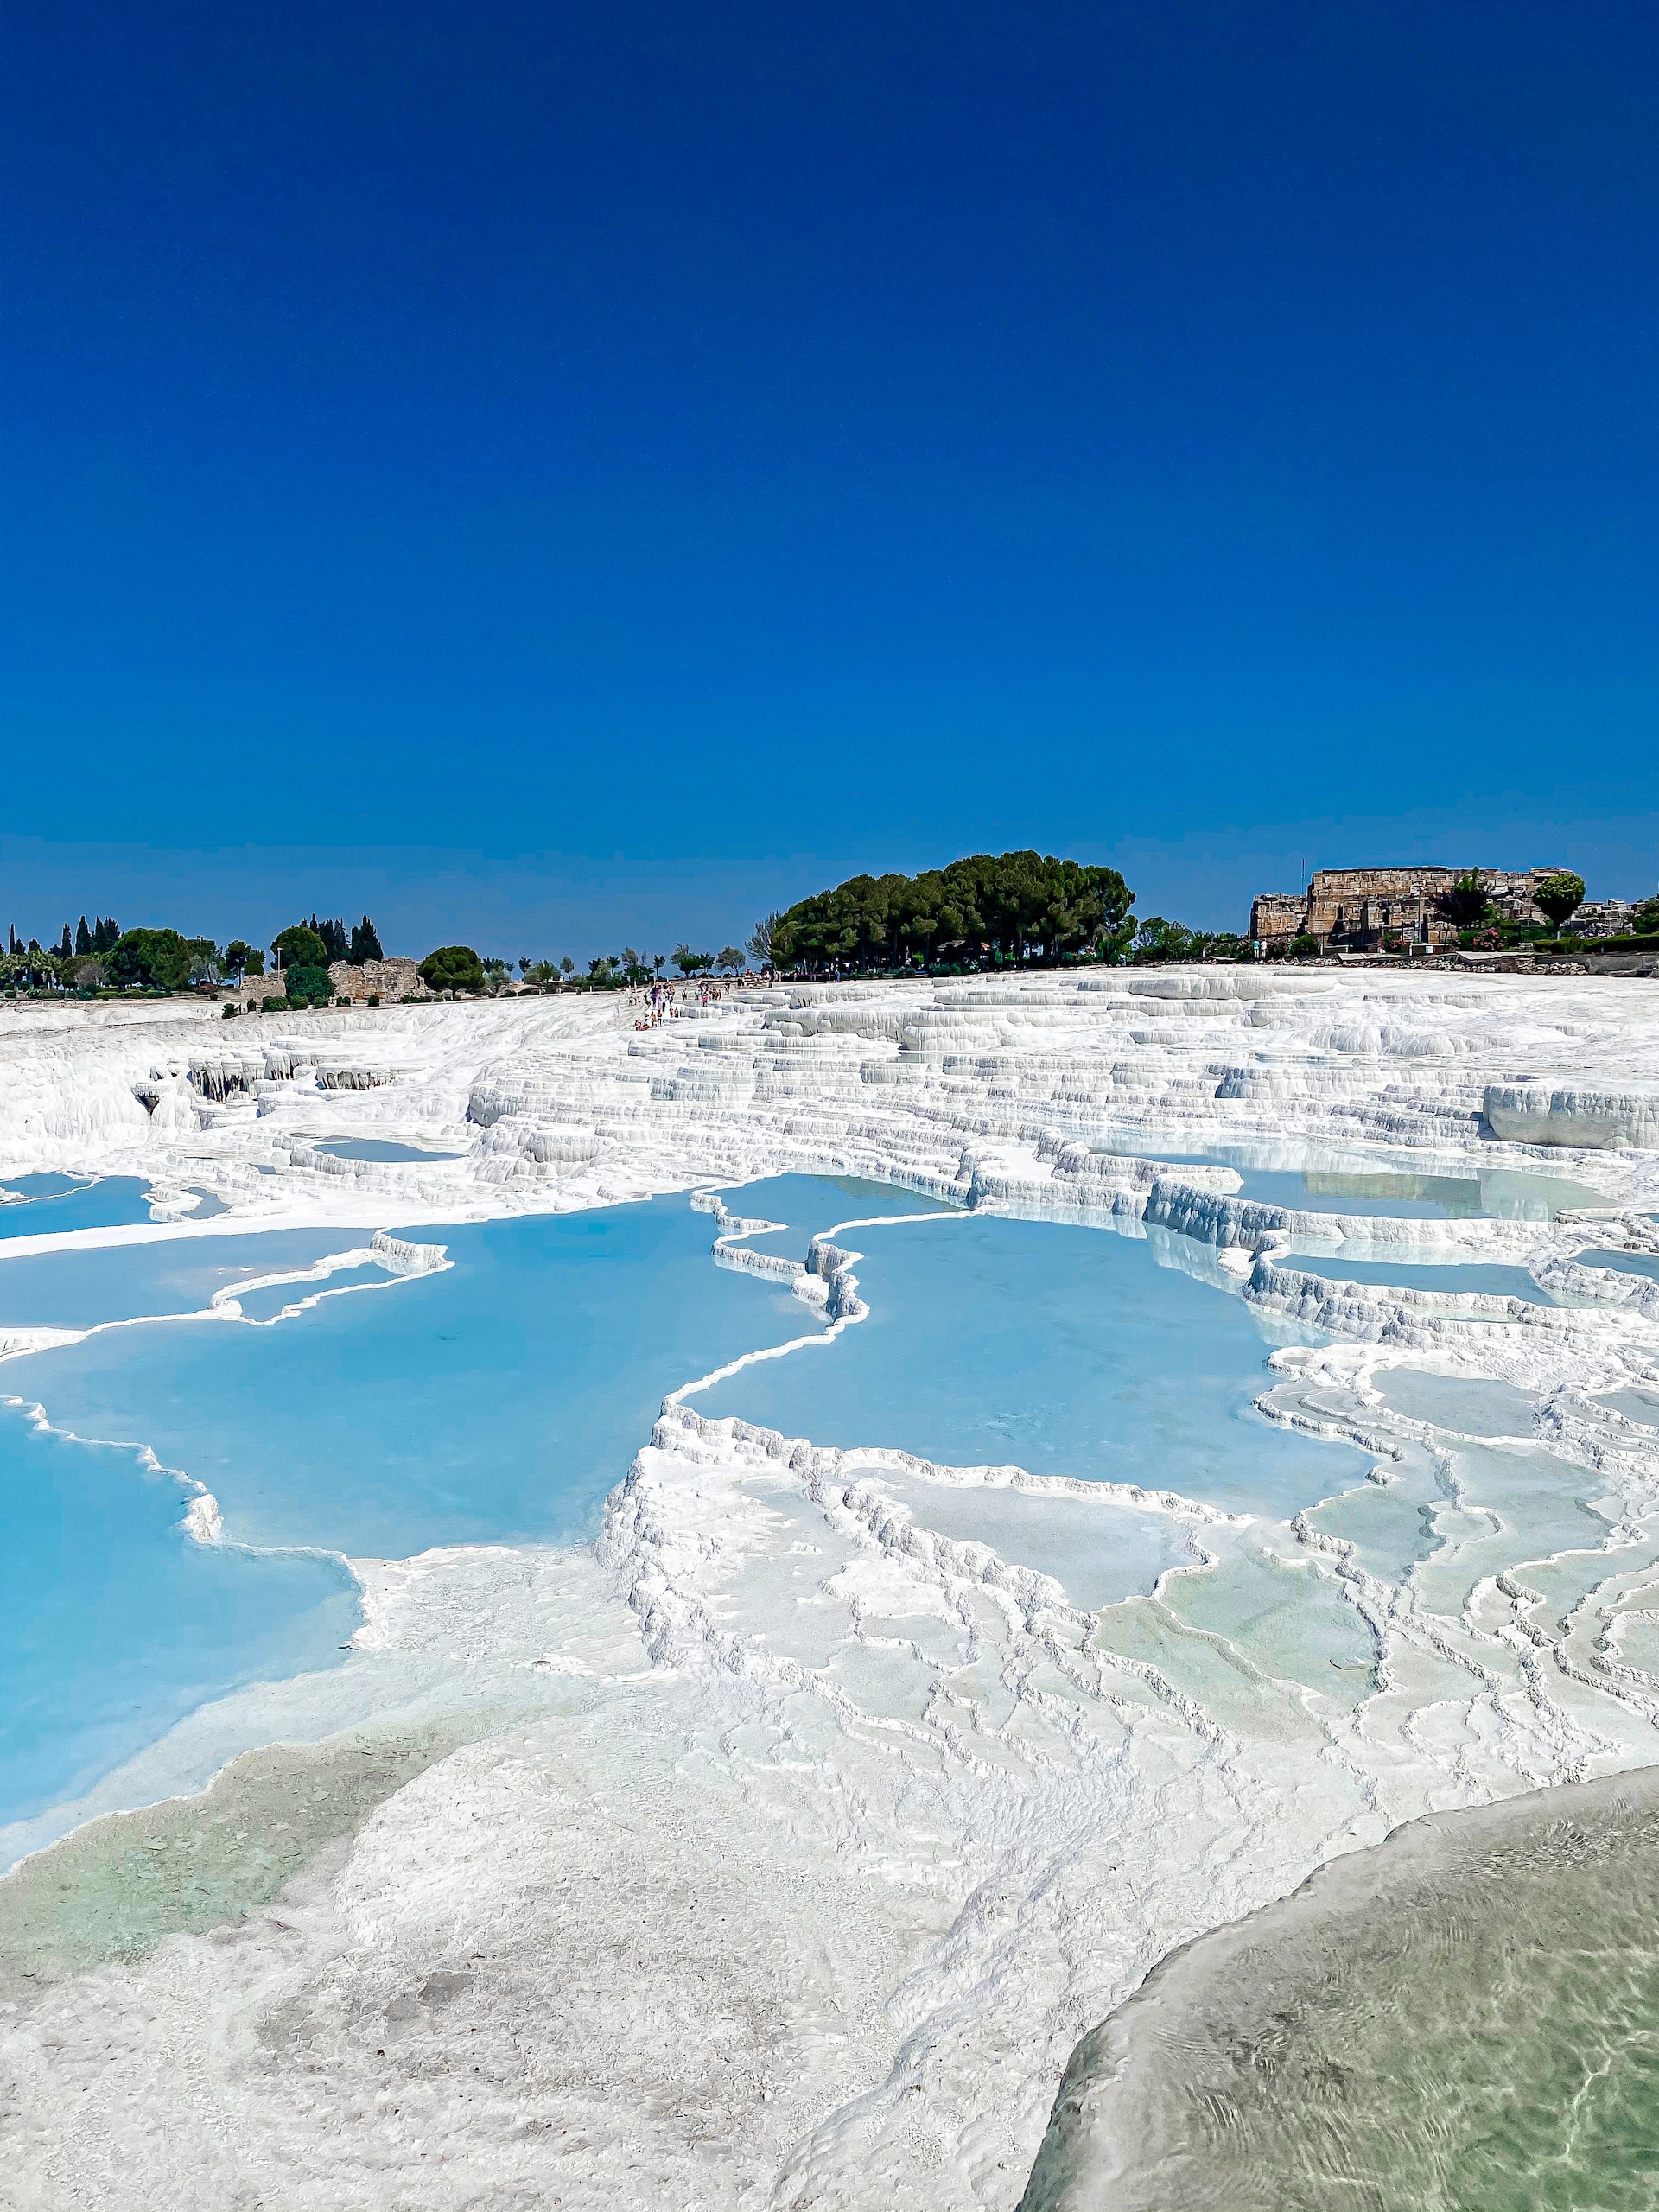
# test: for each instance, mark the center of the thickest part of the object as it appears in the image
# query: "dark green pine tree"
(83, 940)
(65, 947)
(334, 937)
(365, 944)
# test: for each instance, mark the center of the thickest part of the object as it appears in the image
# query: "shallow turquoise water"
(1061, 1350)
(1407, 1274)
(1461, 2020)
(114, 1623)
(267, 1305)
(805, 1203)
(1471, 1406)
(383, 1148)
(1623, 1263)
(495, 1402)
(49, 1210)
(498, 1399)
(1329, 1184)
(118, 1282)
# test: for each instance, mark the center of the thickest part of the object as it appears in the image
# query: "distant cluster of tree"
(989, 909)
(107, 957)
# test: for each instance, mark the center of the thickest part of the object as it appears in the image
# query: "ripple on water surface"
(1464, 2018)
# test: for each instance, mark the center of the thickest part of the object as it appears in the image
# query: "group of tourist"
(661, 1001)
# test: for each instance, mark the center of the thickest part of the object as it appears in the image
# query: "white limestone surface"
(806, 1839)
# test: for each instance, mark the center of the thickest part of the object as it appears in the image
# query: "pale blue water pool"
(382, 1148)
(268, 1304)
(1623, 1263)
(119, 1282)
(805, 1203)
(1060, 1349)
(499, 1399)
(53, 1204)
(1471, 1406)
(1635, 1405)
(1328, 1183)
(496, 1400)
(114, 1624)
(1491, 1277)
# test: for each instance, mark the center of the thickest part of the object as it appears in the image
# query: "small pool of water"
(1324, 1182)
(1098, 1551)
(123, 1282)
(116, 1202)
(382, 1148)
(1493, 1279)
(497, 1401)
(1635, 1405)
(114, 1623)
(1061, 1350)
(1470, 1406)
(803, 1203)
(1623, 1263)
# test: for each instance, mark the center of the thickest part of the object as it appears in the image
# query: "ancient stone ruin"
(1366, 909)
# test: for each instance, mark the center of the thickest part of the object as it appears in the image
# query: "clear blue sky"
(552, 475)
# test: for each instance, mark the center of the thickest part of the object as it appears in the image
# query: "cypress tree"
(83, 940)
(365, 944)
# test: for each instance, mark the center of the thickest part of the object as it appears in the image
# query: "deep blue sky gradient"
(551, 474)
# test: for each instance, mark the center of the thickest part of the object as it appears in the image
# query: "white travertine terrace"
(807, 1841)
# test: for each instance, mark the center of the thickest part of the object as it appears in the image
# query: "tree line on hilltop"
(103, 957)
(1008, 907)
(107, 957)
(987, 910)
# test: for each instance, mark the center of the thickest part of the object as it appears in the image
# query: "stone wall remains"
(1359, 909)
(389, 981)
